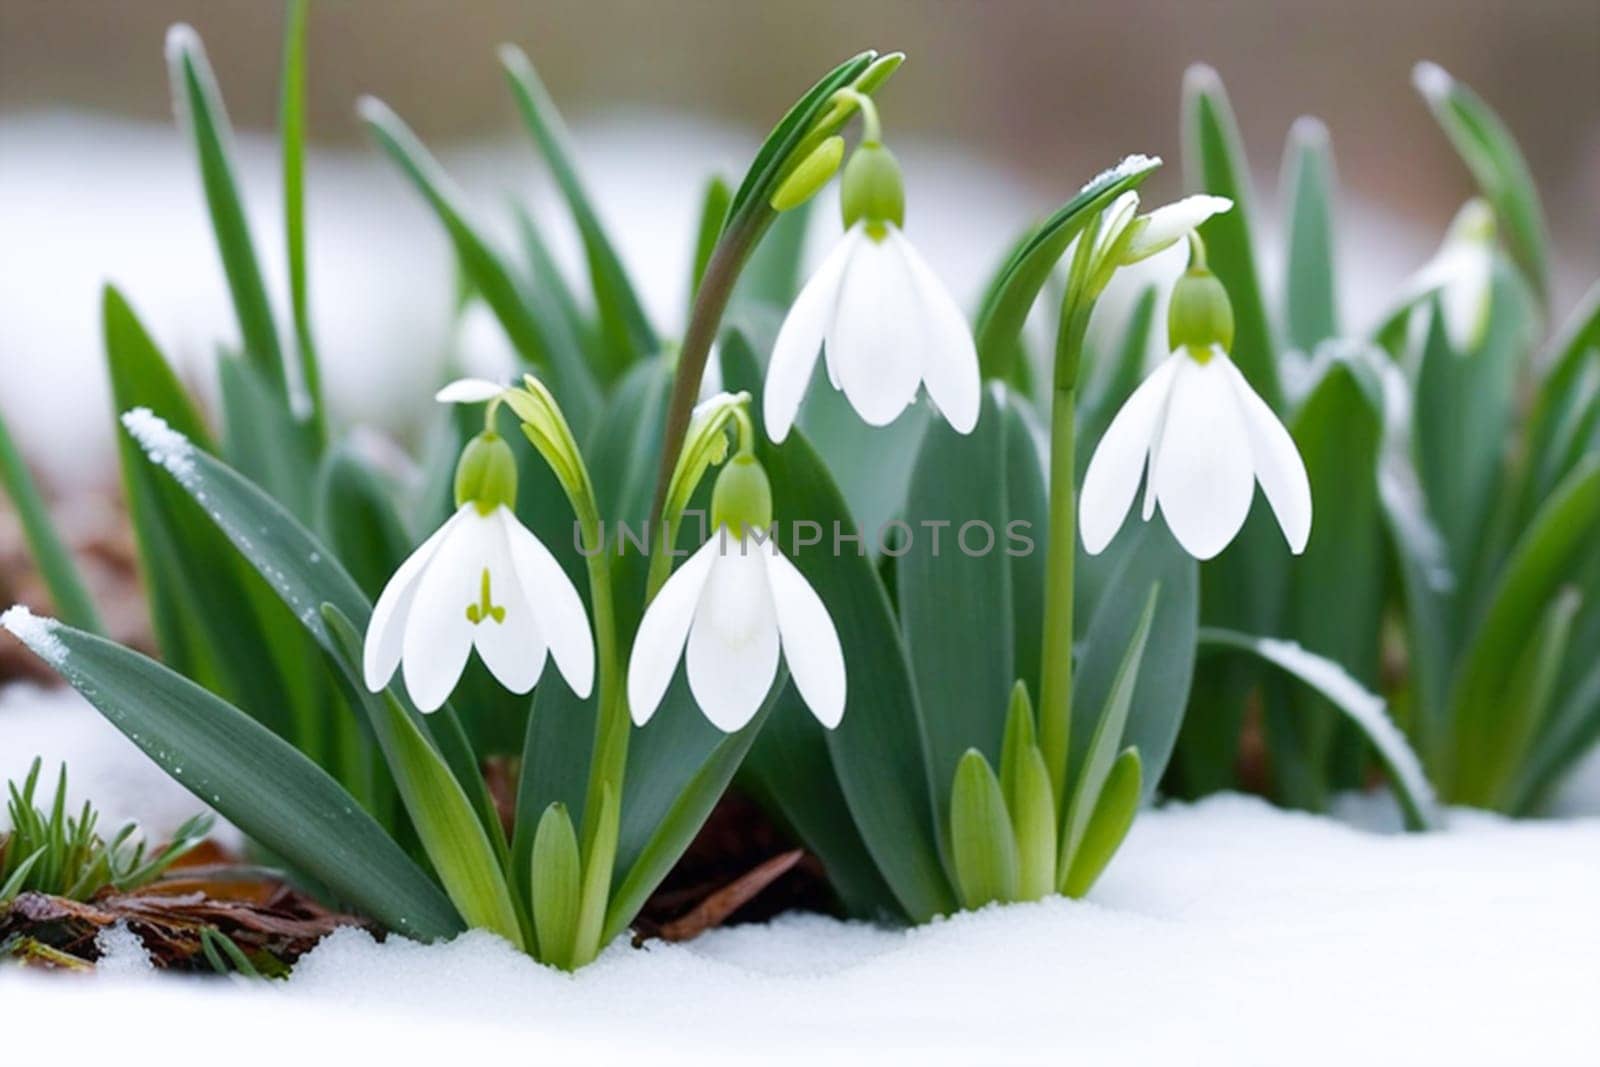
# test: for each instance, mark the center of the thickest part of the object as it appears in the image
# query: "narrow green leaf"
(302, 573)
(790, 773)
(955, 592)
(1310, 288)
(1364, 708)
(554, 305)
(1496, 163)
(1114, 812)
(772, 275)
(484, 267)
(596, 890)
(713, 214)
(1019, 737)
(555, 885)
(1336, 586)
(1560, 538)
(1032, 804)
(1214, 162)
(767, 169)
(983, 847)
(67, 591)
(1012, 293)
(1111, 592)
(199, 105)
(622, 318)
(262, 438)
(1106, 741)
(254, 779)
(1564, 411)
(292, 123)
(445, 823)
(357, 520)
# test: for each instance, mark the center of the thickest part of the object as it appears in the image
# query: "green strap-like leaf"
(292, 120)
(253, 778)
(1336, 588)
(1491, 154)
(487, 271)
(983, 847)
(1366, 709)
(713, 214)
(199, 103)
(556, 873)
(303, 573)
(446, 825)
(1310, 288)
(1113, 817)
(630, 336)
(1106, 740)
(50, 555)
(955, 593)
(1560, 540)
(357, 520)
(1012, 293)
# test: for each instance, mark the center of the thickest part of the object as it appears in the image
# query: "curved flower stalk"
(727, 611)
(883, 321)
(1200, 438)
(482, 581)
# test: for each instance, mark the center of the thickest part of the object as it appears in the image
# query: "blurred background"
(1002, 112)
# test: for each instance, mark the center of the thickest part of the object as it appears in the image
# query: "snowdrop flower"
(1461, 272)
(727, 611)
(482, 581)
(1199, 436)
(884, 323)
(1156, 231)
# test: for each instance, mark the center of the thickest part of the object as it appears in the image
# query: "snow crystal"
(165, 446)
(1129, 165)
(35, 631)
(122, 954)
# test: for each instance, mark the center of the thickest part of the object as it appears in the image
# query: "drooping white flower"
(1157, 230)
(882, 320)
(482, 581)
(1462, 273)
(1199, 437)
(727, 612)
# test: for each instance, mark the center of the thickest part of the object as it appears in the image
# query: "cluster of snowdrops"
(941, 730)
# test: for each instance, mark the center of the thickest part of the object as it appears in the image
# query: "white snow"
(122, 954)
(38, 633)
(165, 446)
(58, 726)
(1432, 81)
(1226, 932)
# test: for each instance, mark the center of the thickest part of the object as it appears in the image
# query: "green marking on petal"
(485, 608)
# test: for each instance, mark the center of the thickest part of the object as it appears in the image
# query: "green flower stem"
(610, 760)
(1055, 671)
(716, 288)
(1086, 280)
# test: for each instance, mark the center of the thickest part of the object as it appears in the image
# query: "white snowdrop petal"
(950, 362)
(876, 339)
(663, 631)
(1173, 222)
(1464, 298)
(1116, 218)
(558, 610)
(810, 640)
(512, 647)
(1114, 470)
(732, 654)
(1277, 462)
(438, 635)
(794, 354)
(380, 656)
(1204, 475)
(469, 391)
